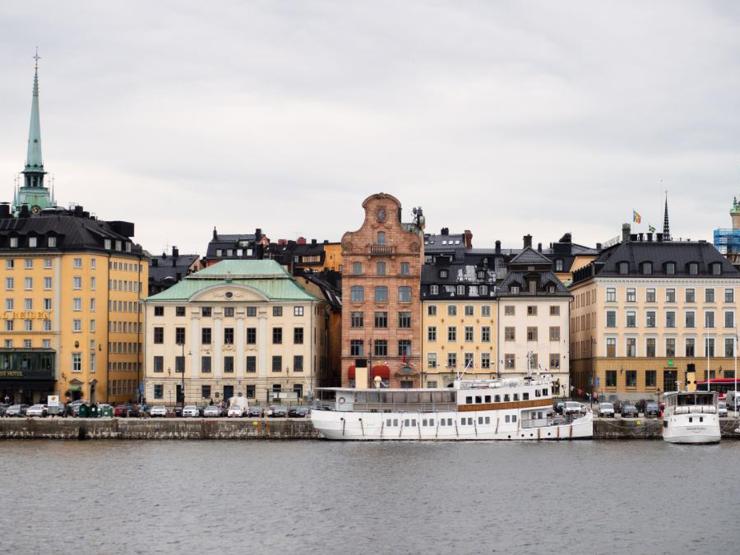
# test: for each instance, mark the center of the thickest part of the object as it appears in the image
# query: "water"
(322, 497)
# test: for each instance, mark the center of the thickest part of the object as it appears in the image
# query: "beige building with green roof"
(237, 328)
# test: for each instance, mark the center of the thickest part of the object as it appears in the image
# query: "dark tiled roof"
(530, 257)
(520, 279)
(167, 267)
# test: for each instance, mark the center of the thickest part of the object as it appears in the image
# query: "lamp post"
(182, 375)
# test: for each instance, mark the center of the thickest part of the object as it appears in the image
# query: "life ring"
(341, 400)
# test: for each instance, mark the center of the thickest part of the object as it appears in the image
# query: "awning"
(380, 370)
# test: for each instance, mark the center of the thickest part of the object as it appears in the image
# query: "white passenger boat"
(691, 417)
(507, 409)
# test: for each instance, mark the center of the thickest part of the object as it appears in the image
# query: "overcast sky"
(504, 118)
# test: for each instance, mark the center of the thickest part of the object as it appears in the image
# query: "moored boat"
(691, 417)
(504, 409)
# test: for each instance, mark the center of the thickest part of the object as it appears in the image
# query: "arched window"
(381, 237)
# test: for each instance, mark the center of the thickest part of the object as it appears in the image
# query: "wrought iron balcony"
(382, 250)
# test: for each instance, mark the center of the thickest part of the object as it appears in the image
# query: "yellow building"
(72, 287)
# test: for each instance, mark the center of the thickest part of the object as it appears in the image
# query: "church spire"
(34, 163)
(666, 223)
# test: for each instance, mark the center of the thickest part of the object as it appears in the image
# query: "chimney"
(301, 241)
(24, 211)
(527, 241)
(468, 239)
(313, 241)
(175, 252)
(215, 233)
(4, 210)
(598, 246)
(625, 233)
(539, 247)
(649, 237)
(659, 237)
(498, 247)
(445, 231)
(639, 235)
(258, 234)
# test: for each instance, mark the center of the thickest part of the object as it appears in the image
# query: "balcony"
(382, 250)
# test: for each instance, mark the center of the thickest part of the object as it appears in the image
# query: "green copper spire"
(33, 193)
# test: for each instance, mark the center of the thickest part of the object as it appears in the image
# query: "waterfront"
(307, 496)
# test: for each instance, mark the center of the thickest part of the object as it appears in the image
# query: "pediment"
(230, 293)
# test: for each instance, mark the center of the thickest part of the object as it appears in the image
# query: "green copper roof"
(265, 276)
(34, 162)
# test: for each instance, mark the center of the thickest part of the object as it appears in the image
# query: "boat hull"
(469, 426)
(677, 429)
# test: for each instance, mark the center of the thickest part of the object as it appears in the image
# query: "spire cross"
(36, 58)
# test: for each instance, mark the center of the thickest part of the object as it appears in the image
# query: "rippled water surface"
(322, 497)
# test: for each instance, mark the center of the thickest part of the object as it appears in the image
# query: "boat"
(500, 409)
(691, 417)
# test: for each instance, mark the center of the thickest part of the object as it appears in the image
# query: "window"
(159, 335)
(404, 294)
(485, 360)
(451, 360)
(451, 310)
(205, 364)
(404, 347)
(432, 310)
(356, 347)
(670, 347)
(431, 360)
(357, 294)
(485, 334)
(159, 311)
(531, 310)
(228, 364)
(670, 319)
(650, 295)
(624, 268)
(158, 391)
(179, 364)
(554, 310)
(405, 269)
(611, 295)
(631, 347)
(380, 268)
(277, 311)
(709, 295)
(452, 333)
(251, 391)
(468, 333)
(251, 364)
(277, 336)
(554, 361)
(690, 346)
(509, 333)
(13, 242)
(631, 321)
(509, 310)
(650, 319)
(277, 363)
(532, 334)
(297, 311)
(381, 294)
(180, 311)
(559, 265)
(716, 269)
(729, 319)
(432, 333)
(251, 311)
(380, 348)
(554, 333)
(709, 347)
(76, 362)
(381, 319)
(229, 312)
(298, 363)
(357, 320)
(611, 319)
(28, 283)
(630, 378)
(28, 263)
(533, 361)
(251, 336)
(9, 263)
(468, 361)
(670, 268)
(509, 361)
(650, 347)
(611, 378)
(28, 325)
(670, 295)
(469, 310)
(357, 268)
(709, 319)
(485, 311)
(647, 268)
(631, 295)
(205, 391)
(180, 336)
(404, 320)
(690, 319)
(76, 325)
(690, 295)
(205, 336)
(381, 237)
(298, 336)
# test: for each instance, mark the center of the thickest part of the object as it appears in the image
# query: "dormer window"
(716, 269)
(515, 289)
(443, 274)
(559, 265)
(460, 289)
(119, 246)
(647, 268)
(624, 268)
(481, 274)
(13, 242)
(533, 286)
(108, 244)
(33, 242)
(670, 268)
(550, 288)
(219, 252)
(693, 268)
(434, 289)
(128, 246)
(51, 241)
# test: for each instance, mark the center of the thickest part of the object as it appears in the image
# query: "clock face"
(381, 215)
(35, 209)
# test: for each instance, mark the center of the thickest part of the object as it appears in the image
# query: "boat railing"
(404, 407)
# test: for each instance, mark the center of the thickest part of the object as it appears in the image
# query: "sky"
(505, 118)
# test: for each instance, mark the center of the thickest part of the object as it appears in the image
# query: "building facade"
(237, 328)
(649, 313)
(381, 306)
(72, 289)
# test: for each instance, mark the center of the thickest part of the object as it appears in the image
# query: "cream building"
(238, 327)
(648, 313)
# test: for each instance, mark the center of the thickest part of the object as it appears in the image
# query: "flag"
(636, 217)
(651, 229)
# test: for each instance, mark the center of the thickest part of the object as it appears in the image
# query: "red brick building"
(381, 306)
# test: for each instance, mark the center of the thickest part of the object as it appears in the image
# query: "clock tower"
(33, 193)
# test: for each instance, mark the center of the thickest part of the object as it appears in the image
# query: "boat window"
(480, 420)
(442, 422)
(469, 399)
(516, 396)
(488, 399)
(431, 421)
(395, 421)
(470, 421)
(424, 422)
(506, 397)
(388, 422)
(690, 420)
(478, 399)
(449, 421)
(513, 417)
(413, 422)
(701, 419)
(488, 419)
(544, 392)
(507, 418)
(406, 422)
(536, 392)
(525, 396)
(497, 398)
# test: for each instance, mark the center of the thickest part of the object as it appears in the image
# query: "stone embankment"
(251, 428)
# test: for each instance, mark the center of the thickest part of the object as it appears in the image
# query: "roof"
(529, 257)
(520, 279)
(168, 266)
(265, 276)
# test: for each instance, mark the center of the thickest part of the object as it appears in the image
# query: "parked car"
(733, 401)
(572, 407)
(254, 412)
(213, 411)
(16, 410)
(3, 408)
(37, 410)
(606, 410)
(126, 410)
(57, 410)
(277, 411)
(298, 412)
(629, 410)
(236, 411)
(651, 409)
(144, 410)
(722, 409)
(190, 411)
(158, 411)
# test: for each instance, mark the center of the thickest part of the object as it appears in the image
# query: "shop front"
(26, 376)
